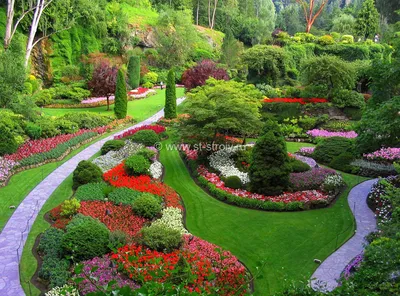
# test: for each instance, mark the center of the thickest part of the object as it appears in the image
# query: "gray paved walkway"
(15, 233)
(326, 276)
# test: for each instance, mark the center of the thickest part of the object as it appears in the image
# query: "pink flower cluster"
(97, 100)
(307, 150)
(141, 93)
(299, 196)
(6, 168)
(326, 134)
(157, 128)
(190, 154)
(384, 154)
(43, 145)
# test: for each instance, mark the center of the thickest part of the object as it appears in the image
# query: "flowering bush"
(299, 196)
(6, 168)
(66, 290)
(190, 154)
(172, 218)
(332, 184)
(156, 169)
(115, 217)
(325, 134)
(302, 101)
(352, 266)
(312, 179)
(373, 169)
(384, 154)
(307, 150)
(104, 272)
(157, 128)
(307, 160)
(378, 201)
(119, 178)
(141, 93)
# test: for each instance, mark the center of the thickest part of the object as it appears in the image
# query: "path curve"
(15, 233)
(326, 276)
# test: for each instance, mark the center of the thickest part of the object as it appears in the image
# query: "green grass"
(138, 109)
(28, 262)
(141, 17)
(287, 242)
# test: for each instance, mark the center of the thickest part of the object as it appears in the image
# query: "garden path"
(326, 276)
(15, 233)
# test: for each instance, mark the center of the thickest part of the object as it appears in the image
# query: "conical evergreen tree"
(270, 168)
(170, 96)
(121, 97)
(134, 72)
(367, 23)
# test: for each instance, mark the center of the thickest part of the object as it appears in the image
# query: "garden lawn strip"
(287, 242)
(14, 234)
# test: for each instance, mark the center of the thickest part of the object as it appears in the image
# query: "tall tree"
(103, 82)
(170, 96)
(266, 17)
(134, 72)
(231, 49)
(367, 22)
(121, 97)
(311, 11)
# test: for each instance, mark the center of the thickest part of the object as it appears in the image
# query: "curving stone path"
(325, 277)
(15, 233)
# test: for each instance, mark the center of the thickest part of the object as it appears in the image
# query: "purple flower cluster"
(307, 150)
(352, 266)
(154, 149)
(309, 180)
(308, 160)
(105, 273)
(326, 134)
(385, 154)
(6, 168)
(97, 100)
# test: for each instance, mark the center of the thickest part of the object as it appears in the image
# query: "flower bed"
(384, 154)
(141, 93)
(307, 160)
(172, 218)
(326, 134)
(312, 179)
(119, 178)
(157, 128)
(115, 217)
(352, 266)
(302, 101)
(306, 150)
(373, 169)
(300, 196)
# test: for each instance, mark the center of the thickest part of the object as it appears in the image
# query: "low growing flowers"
(172, 218)
(326, 134)
(302, 101)
(156, 169)
(157, 128)
(312, 179)
(307, 150)
(384, 154)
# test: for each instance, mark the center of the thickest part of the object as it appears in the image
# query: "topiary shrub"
(112, 145)
(347, 39)
(161, 238)
(91, 191)
(270, 167)
(85, 240)
(330, 148)
(86, 172)
(8, 145)
(326, 40)
(70, 207)
(137, 165)
(298, 166)
(123, 196)
(146, 206)
(121, 96)
(146, 137)
(134, 72)
(342, 162)
(170, 97)
(233, 182)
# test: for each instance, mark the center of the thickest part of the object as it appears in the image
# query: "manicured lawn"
(287, 242)
(138, 109)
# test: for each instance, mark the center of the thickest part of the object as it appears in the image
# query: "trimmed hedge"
(91, 191)
(137, 165)
(330, 148)
(86, 172)
(145, 137)
(146, 206)
(161, 238)
(124, 196)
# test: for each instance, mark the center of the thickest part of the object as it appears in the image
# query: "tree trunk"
(108, 103)
(213, 15)
(40, 6)
(197, 12)
(244, 140)
(308, 27)
(209, 13)
(9, 23)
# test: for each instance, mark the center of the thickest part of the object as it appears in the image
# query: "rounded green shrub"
(137, 165)
(146, 206)
(330, 148)
(91, 191)
(112, 145)
(146, 137)
(123, 196)
(147, 153)
(348, 98)
(298, 166)
(326, 40)
(48, 126)
(8, 144)
(86, 240)
(161, 238)
(70, 207)
(233, 182)
(342, 162)
(66, 126)
(33, 131)
(86, 172)
(43, 98)
(347, 39)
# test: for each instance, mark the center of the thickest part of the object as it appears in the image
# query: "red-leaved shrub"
(198, 75)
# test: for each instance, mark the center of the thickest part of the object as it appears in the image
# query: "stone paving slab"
(328, 273)
(15, 233)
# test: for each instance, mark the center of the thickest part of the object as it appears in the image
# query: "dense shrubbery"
(86, 172)
(91, 191)
(198, 75)
(233, 182)
(348, 98)
(330, 148)
(8, 145)
(298, 166)
(124, 196)
(146, 137)
(161, 238)
(137, 165)
(88, 120)
(147, 206)
(112, 145)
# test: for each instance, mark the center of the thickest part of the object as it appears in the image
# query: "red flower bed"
(43, 145)
(114, 217)
(143, 264)
(117, 177)
(302, 101)
(59, 221)
(138, 91)
(157, 128)
(299, 196)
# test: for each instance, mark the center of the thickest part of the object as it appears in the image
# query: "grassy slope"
(138, 109)
(287, 242)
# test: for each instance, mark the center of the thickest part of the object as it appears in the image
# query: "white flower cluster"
(333, 182)
(222, 161)
(156, 169)
(65, 290)
(172, 218)
(113, 158)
